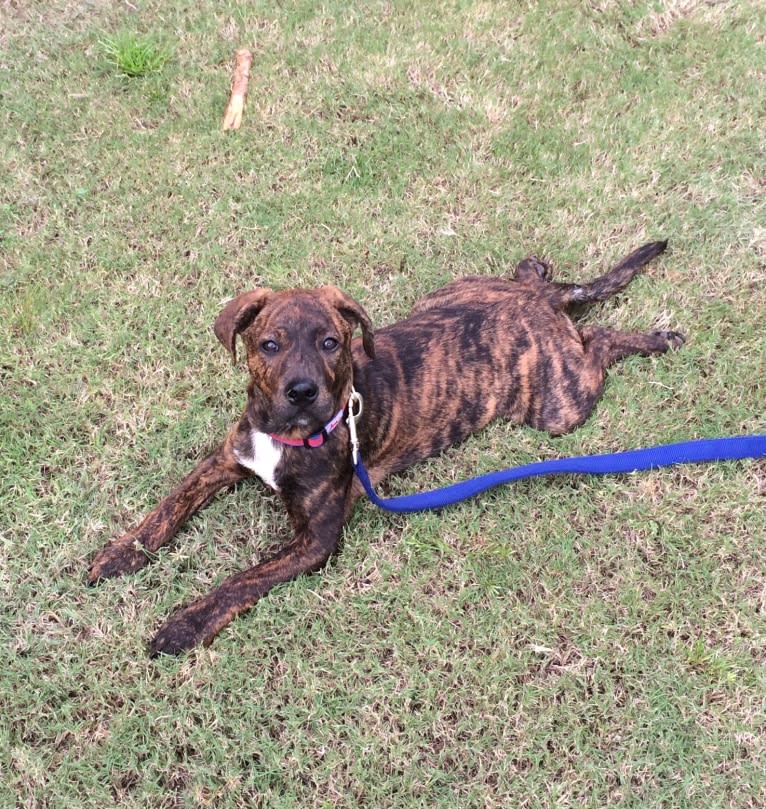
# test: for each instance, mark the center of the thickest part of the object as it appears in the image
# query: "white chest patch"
(263, 458)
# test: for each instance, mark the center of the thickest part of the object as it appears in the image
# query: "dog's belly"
(261, 456)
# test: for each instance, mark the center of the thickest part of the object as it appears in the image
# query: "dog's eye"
(269, 346)
(330, 344)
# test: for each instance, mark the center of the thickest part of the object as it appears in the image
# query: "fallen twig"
(232, 116)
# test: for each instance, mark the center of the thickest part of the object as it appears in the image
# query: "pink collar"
(315, 440)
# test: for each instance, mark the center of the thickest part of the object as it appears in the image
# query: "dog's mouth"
(302, 422)
(303, 426)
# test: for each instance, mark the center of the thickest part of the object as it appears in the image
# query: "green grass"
(133, 55)
(568, 643)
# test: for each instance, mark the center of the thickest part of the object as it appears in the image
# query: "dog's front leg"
(200, 621)
(133, 550)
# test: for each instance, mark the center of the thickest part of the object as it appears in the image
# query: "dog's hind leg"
(562, 408)
(604, 346)
(563, 295)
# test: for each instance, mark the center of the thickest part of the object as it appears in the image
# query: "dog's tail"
(562, 295)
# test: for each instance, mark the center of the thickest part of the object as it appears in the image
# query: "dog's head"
(298, 345)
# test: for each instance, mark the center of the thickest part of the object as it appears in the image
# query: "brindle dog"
(477, 349)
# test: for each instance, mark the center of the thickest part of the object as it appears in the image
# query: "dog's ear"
(237, 315)
(351, 311)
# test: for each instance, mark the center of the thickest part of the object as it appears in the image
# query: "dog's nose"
(302, 391)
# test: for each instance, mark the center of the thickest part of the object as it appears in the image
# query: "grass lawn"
(567, 643)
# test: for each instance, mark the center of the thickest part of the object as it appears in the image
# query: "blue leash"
(703, 450)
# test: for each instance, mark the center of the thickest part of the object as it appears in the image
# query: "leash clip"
(355, 408)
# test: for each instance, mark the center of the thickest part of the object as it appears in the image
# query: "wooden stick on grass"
(232, 116)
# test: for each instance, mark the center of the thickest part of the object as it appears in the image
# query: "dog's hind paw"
(533, 268)
(674, 339)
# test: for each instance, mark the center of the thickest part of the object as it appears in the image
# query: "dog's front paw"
(120, 556)
(674, 339)
(190, 626)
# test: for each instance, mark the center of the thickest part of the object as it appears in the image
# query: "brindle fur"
(475, 350)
